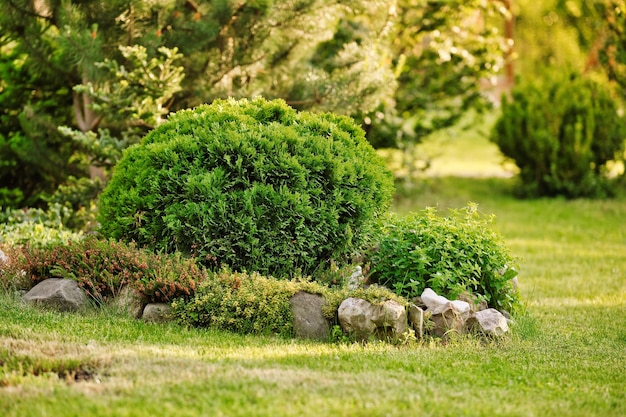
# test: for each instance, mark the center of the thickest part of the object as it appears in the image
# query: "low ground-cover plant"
(250, 184)
(243, 302)
(563, 134)
(103, 267)
(453, 255)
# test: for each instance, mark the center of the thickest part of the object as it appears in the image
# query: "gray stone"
(447, 316)
(308, 320)
(434, 302)
(490, 322)
(59, 294)
(129, 301)
(448, 321)
(3, 258)
(364, 319)
(157, 313)
(416, 320)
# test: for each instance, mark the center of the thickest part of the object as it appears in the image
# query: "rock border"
(430, 314)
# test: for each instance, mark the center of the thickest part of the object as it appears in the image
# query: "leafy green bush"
(452, 255)
(250, 184)
(562, 134)
(102, 268)
(243, 303)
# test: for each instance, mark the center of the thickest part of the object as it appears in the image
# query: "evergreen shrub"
(253, 185)
(453, 255)
(563, 134)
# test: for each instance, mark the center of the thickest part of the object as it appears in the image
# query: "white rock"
(490, 321)
(363, 319)
(462, 307)
(434, 302)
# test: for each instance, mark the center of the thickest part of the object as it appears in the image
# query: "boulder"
(489, 322)
(364, 319)
(416, 320)
(438, 304)
(308, 320)
(157, 313)
(447, 315)
(447, 321)
(59, 294)
(432, 300)
(129, 301)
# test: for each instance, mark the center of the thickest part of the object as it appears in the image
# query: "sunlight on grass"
(566, 355)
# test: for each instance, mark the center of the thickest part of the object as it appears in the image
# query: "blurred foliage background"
(82, 81)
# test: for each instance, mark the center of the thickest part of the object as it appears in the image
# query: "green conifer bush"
(563, 134)
(251, 184)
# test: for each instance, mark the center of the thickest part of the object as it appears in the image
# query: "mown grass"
(566, 356)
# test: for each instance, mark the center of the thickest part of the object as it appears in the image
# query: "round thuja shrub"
(454, 255)
(253, 185)
(566, 135)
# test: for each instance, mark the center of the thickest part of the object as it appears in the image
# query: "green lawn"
(566, 357)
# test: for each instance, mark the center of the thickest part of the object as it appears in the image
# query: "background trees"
(110, 70)
(446, 54)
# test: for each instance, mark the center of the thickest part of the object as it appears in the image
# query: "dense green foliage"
(80, 81)
(562, 134)
(102, 268)
(251, 184)
(34, 156)
(452, 255)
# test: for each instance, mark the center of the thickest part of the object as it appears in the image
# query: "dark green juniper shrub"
(453, 255)
(103, 267)
(563, 134)
(253, 185)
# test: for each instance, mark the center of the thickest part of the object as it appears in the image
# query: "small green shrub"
(250, 184)
(562, 134)
(243, 303)
(102, 268)
(452, 255)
